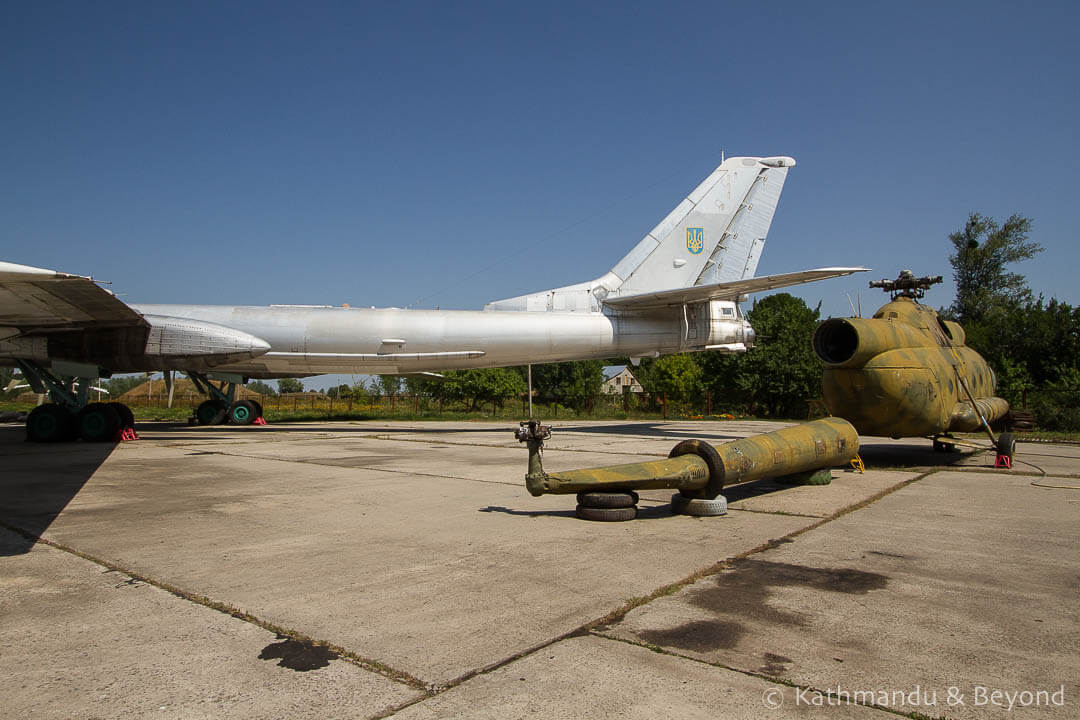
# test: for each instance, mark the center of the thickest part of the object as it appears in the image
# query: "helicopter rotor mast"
(906, 285)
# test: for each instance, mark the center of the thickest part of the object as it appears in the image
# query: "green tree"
(481, 386)
(359, 391)
(120, 384)
(569, 383)
(676, 376)
(780, 374)
(388, 385)
(981, 252)
(260, 387)
(290, 385)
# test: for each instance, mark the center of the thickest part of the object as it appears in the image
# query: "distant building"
(617, 377)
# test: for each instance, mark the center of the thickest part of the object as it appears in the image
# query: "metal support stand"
(68, 392)
(225, 392)
(530, 391)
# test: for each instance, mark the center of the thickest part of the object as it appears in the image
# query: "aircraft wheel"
(127, 418)
(607, 499)
(211, 412)
(258, 408)
(49, 423)
(1006, 444)
(242, 412)
(98, 422)
(606, 514)
(699, 507)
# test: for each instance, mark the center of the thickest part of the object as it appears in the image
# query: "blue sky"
(446, 154)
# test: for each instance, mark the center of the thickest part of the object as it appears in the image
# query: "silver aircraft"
(677, 290)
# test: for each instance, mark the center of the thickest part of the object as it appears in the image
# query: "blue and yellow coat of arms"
(695, 240)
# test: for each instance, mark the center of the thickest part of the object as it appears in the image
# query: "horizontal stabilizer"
(726, 290)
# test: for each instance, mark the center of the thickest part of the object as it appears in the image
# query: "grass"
(513, 411)
(510, 411)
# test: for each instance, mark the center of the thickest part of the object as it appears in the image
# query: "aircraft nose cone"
(748, 335)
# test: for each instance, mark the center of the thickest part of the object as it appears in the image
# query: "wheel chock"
(126, 434)
(1003, 461)
(259, 421)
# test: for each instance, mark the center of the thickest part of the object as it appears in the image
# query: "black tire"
(606, 514)
(699, 507)
(258, 408)
(211, 412)
(242, 412)
(608, 499)
(127, 418)
(98, 422)
(1006, 445)
(49, 423)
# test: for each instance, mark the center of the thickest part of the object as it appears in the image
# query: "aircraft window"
(729, 311)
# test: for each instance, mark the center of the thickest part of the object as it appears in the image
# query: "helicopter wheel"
(1006, 445)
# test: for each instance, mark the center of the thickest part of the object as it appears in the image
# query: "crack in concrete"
(591, 628)
(369, 664)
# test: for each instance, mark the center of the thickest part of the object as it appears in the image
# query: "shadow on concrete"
(38, 481)
(650, 429)
(918, 453)
(645, 512)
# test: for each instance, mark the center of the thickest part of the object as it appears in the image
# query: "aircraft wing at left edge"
(37, 299)
(49, 316)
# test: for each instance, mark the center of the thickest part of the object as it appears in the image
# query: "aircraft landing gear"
(50, 423)
(70, 415)
(223, 407)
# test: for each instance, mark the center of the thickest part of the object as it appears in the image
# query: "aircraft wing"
(726, 290)
(37, 299)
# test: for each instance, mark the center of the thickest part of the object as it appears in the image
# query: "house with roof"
(618, 377)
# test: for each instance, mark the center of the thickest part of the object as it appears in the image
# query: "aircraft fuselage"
(307, 340)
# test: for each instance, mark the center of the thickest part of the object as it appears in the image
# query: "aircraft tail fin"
(715, 235)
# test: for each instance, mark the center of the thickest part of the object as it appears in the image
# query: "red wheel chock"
(1003, 461)
(125, 434)
(259, 421)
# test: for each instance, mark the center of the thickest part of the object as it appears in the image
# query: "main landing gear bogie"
(217, 412)
(95, 422)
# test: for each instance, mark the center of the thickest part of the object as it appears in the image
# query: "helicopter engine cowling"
(852, 342)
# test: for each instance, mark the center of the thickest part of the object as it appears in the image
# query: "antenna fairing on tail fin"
(716, 234)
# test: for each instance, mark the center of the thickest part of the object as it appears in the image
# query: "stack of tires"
(607, 506)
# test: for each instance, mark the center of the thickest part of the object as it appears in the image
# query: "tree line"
(1033, 345)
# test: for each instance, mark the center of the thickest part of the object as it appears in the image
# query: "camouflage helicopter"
(906, 372)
